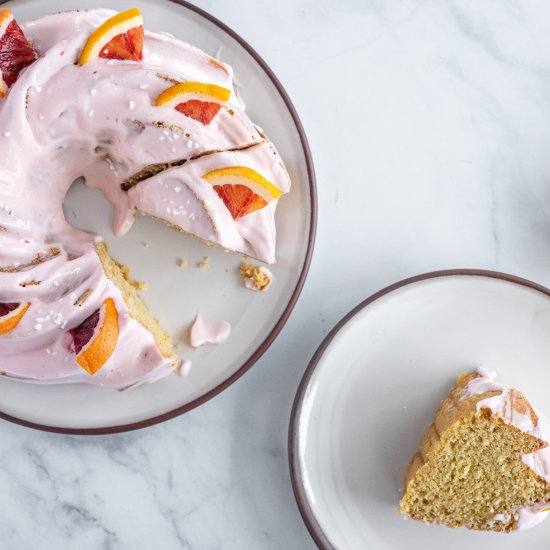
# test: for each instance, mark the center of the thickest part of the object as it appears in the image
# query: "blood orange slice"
(11, 314)
(197, 100)
(95, 339)
(120, 37)
(15, 51)
(242, 189)
(239, 199)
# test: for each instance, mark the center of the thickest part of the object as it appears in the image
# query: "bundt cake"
(156, 125)
(484, 463)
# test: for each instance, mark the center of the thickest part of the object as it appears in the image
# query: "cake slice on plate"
(484, 462)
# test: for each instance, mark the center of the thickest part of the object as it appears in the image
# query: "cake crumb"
(145, 244)
(255, 277)
(203, 264)
(139, 285)
(182, 262)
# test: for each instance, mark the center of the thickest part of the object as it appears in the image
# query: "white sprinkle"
(38, 88)
(7, 134)
(161, 138)
(143, 86)
(197, 145)
(166, 132)
(38, 326)
(174, 150)
(132, 104)
(189, 144)
(207, 203)
(192, 216)
(177, 189)
(40, 117)
(168, 210)
(93, 91)
(91, 112)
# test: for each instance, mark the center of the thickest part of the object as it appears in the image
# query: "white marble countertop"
(430, 129)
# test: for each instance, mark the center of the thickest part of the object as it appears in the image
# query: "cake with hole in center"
(157, 126)
(484, 462)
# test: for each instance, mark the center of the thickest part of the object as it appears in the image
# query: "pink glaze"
(209, 332)
(499, 405)
(60, 121)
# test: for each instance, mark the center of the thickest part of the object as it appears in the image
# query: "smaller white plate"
(374, 385)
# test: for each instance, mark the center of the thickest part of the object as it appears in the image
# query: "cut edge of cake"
(119, 275)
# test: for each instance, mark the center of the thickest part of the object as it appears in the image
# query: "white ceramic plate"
(374, 385)
(175, 295)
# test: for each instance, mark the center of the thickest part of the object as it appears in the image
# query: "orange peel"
(242, 189)
(104, 340)
(197, 100)
(9, 321)
(120, 37)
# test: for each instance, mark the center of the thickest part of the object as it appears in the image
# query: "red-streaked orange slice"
(242, 189)
(120, 37)
(96, 337)
(197, 100)
(11, 314)
(15, 51)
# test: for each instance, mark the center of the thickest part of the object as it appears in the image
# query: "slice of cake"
(484, 463)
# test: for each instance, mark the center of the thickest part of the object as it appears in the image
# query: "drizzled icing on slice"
(526, 419)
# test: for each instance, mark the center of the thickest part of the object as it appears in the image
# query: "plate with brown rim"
(175, 295)
(374, 385)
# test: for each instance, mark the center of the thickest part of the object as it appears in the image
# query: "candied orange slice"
(11, 314)
(15, 51)
(197, 100)
(120, 37)
(96, 337)
(242, 189)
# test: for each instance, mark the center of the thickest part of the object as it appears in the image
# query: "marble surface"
(430, 129)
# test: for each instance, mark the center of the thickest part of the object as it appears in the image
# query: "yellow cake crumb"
(203, 264)
(255, 275)
(139, 285)
(182, 262)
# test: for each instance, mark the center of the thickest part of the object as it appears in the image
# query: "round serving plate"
(374, 385)
(152, 250)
